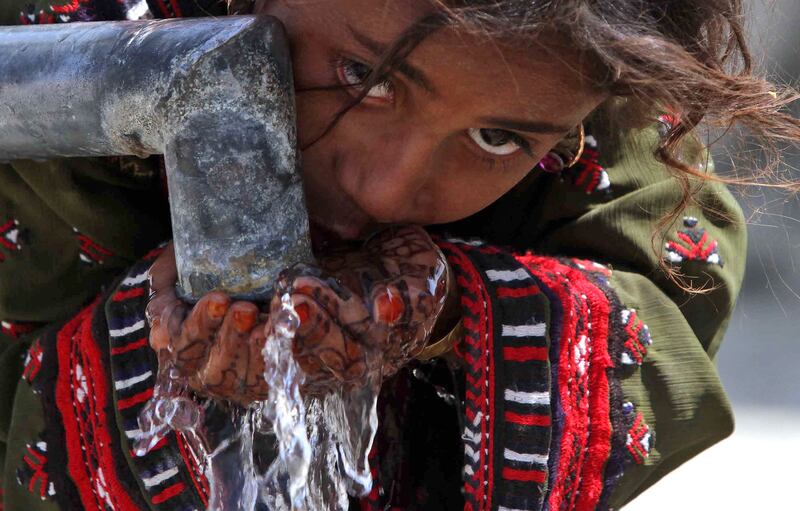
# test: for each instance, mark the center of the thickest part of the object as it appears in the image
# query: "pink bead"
(551, 163)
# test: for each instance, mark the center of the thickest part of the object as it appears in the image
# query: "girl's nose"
(399, 169)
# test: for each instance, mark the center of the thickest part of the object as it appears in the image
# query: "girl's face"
(456, 126)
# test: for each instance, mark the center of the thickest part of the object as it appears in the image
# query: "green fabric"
(116, 202)
(20, 423)
(677, 388)
(10, 10)
(24, 426)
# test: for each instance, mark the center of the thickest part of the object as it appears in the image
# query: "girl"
(544, 144)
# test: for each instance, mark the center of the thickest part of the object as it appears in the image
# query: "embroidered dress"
(586, 374)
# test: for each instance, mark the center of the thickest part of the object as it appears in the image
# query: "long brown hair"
(688, 59)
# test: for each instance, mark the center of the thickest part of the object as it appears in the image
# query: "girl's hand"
(381, 301)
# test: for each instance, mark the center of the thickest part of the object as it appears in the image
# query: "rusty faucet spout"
(214, 96)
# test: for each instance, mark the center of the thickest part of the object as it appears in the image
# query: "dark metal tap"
(214, 96)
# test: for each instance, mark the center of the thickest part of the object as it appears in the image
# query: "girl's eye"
(353, 74)
(496, 141)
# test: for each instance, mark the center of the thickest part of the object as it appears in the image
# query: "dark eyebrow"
(529, 126)
(378, 49)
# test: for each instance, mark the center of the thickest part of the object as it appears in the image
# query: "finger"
(255, 385)
(390, 303)
(163, 273)
(158, 302)
(346, 308)
(160, 336)
(173, 317)
(226, 366)
(321, 343)
(408, 301)
(199, 330)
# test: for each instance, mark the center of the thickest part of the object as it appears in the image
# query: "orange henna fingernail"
(243, 321)
(304, 290)
(217, 309)
(303, 311)
(389, 307)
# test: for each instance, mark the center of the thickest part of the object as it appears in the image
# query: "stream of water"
(284, 453)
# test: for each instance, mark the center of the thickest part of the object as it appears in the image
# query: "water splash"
(285, 408)
(318, 447)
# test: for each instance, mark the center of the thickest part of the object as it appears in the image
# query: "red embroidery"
(694, 244)
(525, 353)
(119, 350)
(479, 408)
(91, 252)
(33, 361)
(639, 440)
(528, 419)
(168, 492)
(82, 399)
(15, 329)
(536, 476)
(582, 384)
(587, 173)
(190, 460)
(69, 8)
(35, 459)
(9, 237)
(510, 292)
(638, 338)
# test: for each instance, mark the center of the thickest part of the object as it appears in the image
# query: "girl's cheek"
(466, 187)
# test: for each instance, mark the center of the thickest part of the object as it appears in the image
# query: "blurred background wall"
(759, 362)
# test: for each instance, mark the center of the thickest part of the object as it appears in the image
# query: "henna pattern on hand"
(357, 309)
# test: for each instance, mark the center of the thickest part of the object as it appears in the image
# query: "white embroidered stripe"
(130, 382)
(507, 275)
(121, 332)
(136, 279)
(472, 243)
(476, 456)
(645, 442)
(503, 508)
(626, 314)
(471, 437)
(540, 459)
(157, 479)
(537, 330)
(468, 470)
(138, 10)
(477, 420)
(133, 434)
(84, 258)
(527, 398)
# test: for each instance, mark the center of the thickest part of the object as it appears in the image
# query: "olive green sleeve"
(10, 11)
(676, 387)
(21, 421)
(622, 228)
(12, 354)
